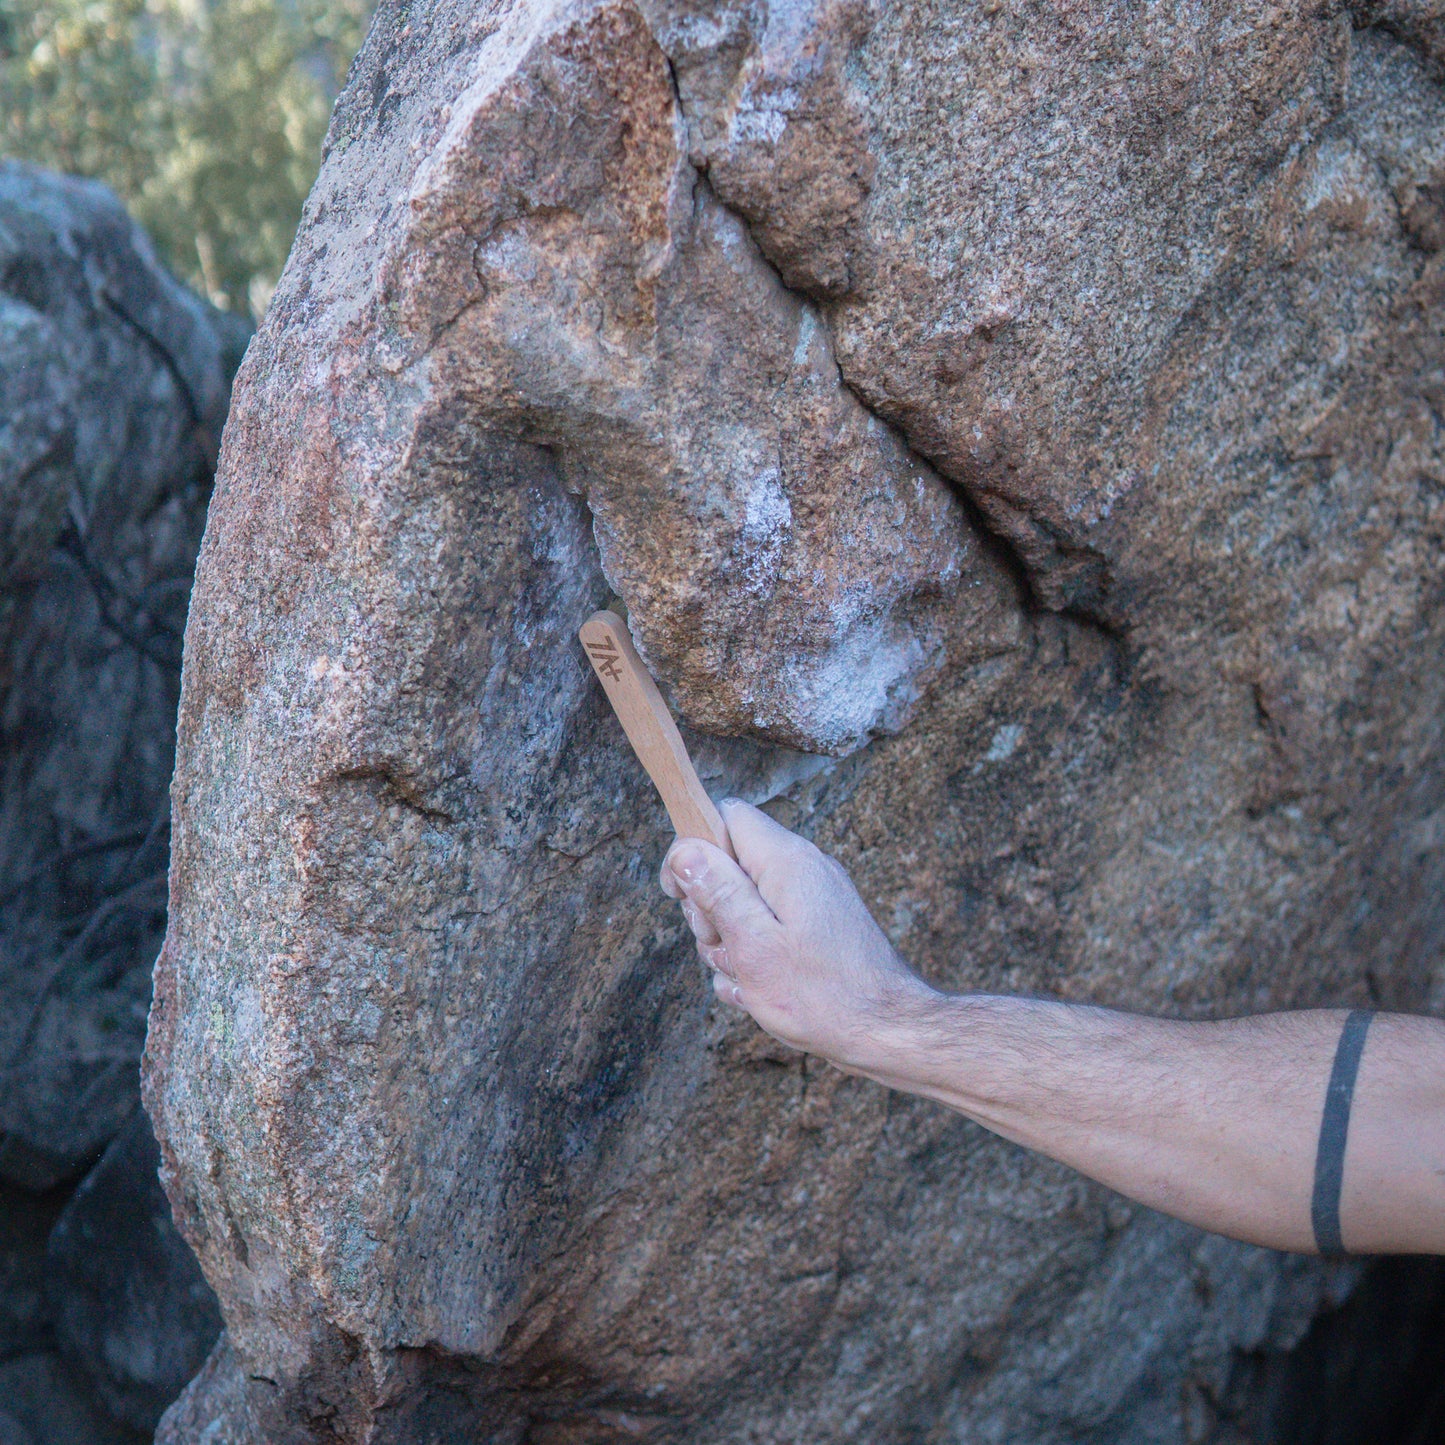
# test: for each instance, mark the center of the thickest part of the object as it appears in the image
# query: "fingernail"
(731, 803)
(688, 863)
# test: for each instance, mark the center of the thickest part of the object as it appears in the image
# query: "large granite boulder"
(1015, 432)
(114, 382)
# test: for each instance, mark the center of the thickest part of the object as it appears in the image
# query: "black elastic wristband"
(1334, 1133)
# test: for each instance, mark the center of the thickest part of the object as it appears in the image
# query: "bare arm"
(1216, 1123)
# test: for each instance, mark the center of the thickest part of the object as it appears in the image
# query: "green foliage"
(206, 116)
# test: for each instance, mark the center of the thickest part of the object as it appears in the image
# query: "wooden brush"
(651, 730)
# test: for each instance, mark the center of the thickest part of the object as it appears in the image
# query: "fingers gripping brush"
(651, 730)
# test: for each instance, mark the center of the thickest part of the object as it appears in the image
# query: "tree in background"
(205, 116)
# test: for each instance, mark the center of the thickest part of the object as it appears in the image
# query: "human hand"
(789, 940)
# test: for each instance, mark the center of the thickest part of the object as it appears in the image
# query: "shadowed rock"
(114, 381)
(131, 1307)
(1014, 431)
(12, 1432)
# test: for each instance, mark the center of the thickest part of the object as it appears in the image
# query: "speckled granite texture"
(1016, 432)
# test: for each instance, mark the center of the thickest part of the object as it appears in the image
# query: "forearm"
(1216, 1123)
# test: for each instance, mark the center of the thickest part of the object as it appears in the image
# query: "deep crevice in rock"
(995, 542)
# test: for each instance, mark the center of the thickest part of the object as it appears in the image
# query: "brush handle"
(650, 729)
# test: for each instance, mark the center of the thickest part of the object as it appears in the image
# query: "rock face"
(129, 1301)
(1016, 433)
(114, 382)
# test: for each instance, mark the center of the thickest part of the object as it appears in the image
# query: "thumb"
(716, 885)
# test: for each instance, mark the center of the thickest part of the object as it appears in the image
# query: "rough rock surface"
(114, 382)
(1016, 432)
